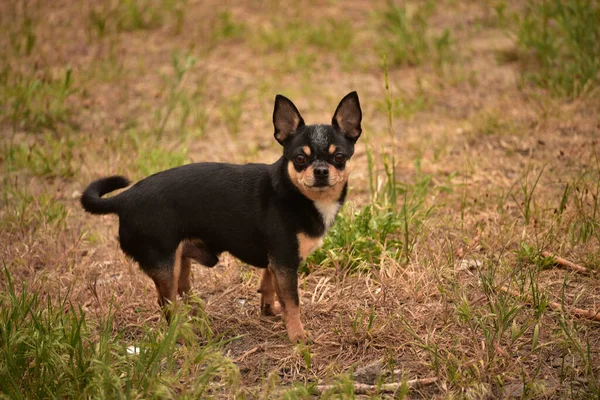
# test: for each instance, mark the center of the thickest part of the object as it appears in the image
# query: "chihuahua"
(269, 216)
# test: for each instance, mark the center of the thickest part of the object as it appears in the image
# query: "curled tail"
(91, 198)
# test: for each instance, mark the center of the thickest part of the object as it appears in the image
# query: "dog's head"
(318, 155)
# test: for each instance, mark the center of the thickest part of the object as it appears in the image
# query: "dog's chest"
(308, 244)
(328, 211)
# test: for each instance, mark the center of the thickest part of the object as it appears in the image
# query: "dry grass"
(511, 172)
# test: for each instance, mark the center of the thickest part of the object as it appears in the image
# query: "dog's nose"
(322, 171)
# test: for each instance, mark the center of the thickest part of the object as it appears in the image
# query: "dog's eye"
(339, 158)
(300, 159)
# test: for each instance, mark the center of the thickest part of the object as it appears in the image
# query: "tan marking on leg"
(306, 150)
(332, 149)
(177, 270)
(166, 280)
(184, 285)
(163, 281)
(307, 245)
(268, 305)
(286, 287)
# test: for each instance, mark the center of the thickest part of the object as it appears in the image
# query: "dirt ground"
(472, 126)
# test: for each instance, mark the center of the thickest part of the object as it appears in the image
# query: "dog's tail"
(91, 198)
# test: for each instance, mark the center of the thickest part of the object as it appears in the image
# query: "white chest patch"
(328, 211)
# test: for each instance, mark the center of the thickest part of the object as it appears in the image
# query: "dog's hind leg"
(268, 306)
(166, 279)
(184, 285)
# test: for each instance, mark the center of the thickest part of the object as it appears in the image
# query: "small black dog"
(270, 216)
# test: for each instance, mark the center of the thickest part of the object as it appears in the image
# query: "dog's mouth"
(319, 187)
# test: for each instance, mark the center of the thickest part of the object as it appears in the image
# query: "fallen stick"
(566, 263)
(578, 312)
(246, 354)
(363, 388)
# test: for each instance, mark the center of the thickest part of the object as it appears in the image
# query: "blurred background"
(479, 152)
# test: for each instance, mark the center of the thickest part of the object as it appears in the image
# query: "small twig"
(362, 388)
(217, 298)
(246, 354)
(578, 312)
(566, 263)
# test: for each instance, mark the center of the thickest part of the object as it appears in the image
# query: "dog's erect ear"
(348, 116)
(286, 118)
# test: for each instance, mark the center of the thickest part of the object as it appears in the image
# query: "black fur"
(251, 211)
(91, 201)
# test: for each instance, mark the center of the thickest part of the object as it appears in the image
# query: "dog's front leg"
(286, 286)
(268, 306)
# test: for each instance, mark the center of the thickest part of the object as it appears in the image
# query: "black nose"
(322, 171)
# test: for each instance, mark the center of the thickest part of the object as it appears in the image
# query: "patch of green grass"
(358, 239)
(22, 34)
(147, 157)
(226, 27)
(301, 63)
(389, 155)
(35, 102)
(177, 97)
(501, 18)
(361, 239)
(490, 122)
(131, 15)
(301, 43)
(363, 323)
(331, 35)
(494, 15)
(585, 195)
(41, 340)
(560, 41)
(569, 333)
(575, 343)
(107, 66)
(326, 34)
(342, 388)
(495, 324)
(526, 202)
(148, 14)
(20, 210)
(404, 105)
(532, 254)
(406, 37)
(48, 156)
(231, 112)
(152, 159)
(155, 160)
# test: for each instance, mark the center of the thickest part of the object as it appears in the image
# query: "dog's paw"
(299, 337)
(271, 309)
(297, 334)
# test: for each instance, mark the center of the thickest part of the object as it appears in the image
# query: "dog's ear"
(286, 118)
(348, 116)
